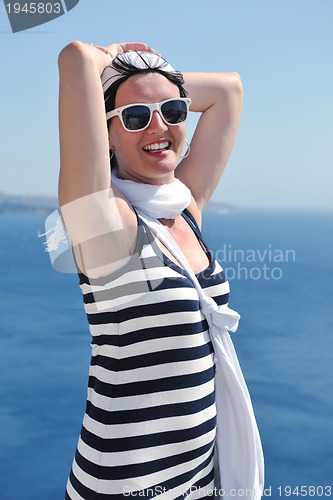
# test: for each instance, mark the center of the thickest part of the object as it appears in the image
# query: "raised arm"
(100, 222)
(218, 96)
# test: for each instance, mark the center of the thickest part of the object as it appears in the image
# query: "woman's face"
(135, 160)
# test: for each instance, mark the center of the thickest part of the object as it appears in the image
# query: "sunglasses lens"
(136, 117)
(174, 111)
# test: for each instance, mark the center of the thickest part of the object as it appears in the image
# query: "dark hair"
(127, 69)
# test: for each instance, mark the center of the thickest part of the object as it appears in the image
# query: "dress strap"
(186, 214)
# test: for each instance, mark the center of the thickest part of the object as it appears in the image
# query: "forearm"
(207, 89)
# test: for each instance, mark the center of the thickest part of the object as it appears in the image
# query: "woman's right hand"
(115, 49)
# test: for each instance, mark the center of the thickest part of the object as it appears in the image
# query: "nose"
(157, 124)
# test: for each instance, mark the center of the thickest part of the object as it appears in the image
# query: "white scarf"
(161, 202)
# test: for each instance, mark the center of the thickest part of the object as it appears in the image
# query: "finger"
(128, 46)
(100, 47)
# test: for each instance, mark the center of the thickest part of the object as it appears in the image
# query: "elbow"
(235, 89)
(229, 85)
(236, 82)
(69, 53)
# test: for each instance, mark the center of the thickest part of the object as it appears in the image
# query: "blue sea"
(280, 267)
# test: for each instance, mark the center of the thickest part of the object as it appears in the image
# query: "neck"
(155, 181)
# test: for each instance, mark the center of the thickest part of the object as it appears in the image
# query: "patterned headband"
(141, 60)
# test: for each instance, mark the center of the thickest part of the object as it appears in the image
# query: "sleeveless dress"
(150, 422)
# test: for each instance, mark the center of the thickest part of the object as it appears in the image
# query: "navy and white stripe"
(150, 422)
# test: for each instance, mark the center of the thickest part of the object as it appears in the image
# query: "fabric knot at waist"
(224, 318)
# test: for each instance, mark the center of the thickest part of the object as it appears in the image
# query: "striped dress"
(150, 423)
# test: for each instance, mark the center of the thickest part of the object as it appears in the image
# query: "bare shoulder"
(103, 229)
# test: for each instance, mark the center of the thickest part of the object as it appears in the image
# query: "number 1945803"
(305, 491)
(33, 8)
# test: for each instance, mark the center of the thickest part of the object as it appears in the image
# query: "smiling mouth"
(156, 147)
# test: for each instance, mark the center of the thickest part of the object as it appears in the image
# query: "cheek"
(124, 143)
(120, 138)
(116, 135)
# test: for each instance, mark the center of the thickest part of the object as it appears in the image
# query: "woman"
(150, 423)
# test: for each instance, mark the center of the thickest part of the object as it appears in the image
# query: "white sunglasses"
(136, 117)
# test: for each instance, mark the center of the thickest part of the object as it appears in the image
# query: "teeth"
(156, 146)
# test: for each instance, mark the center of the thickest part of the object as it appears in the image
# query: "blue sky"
(283, 157)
